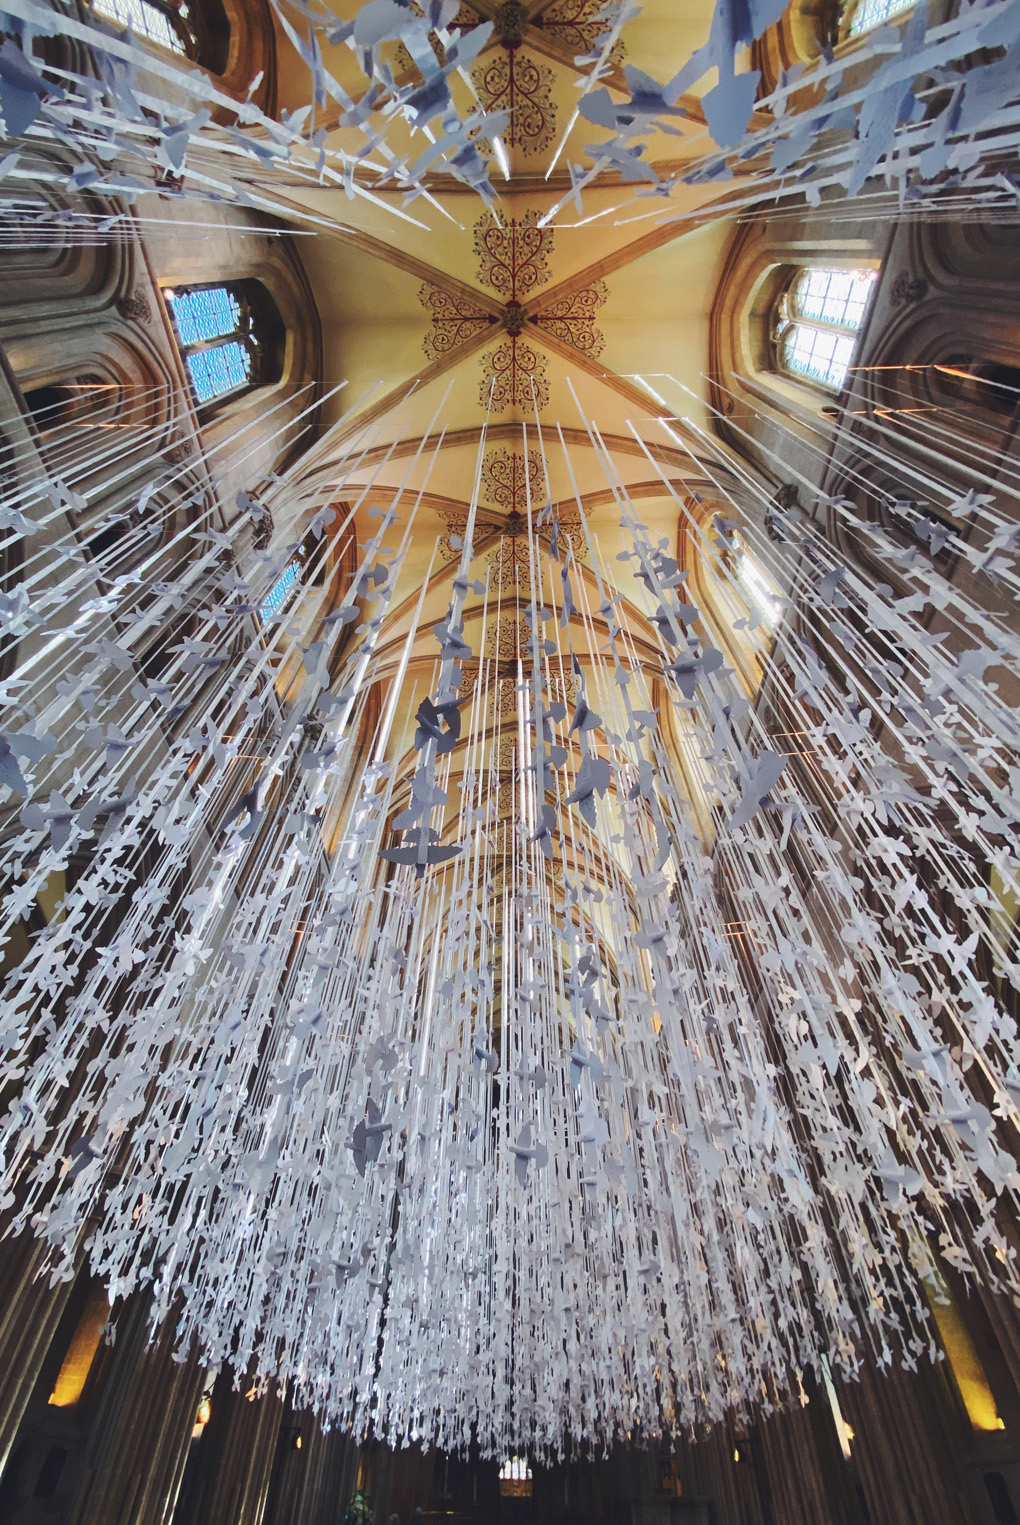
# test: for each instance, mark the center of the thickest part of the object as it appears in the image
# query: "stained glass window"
(758, 590)
(819, 318)
(215, 333)
(208, 312)
(280, 592)
(869, 13)
(515, 1478)
(145, 19)
(218, 370)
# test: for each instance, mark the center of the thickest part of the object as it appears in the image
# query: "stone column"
(721, 1468)
(136, 1452)
(238, 1452)
(907, 1447)
(806, 1474)
(311, 1486)
(29, 1315)
(337, 1474)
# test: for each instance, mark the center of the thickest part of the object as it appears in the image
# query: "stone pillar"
(1004, 1319)
(410, 1474)
(806, 1473)
(136, 1452)
(311, 1486)
(337, 1474)
(721, 1468)
(907, 1447)
(238, 1452)
(29, 1314)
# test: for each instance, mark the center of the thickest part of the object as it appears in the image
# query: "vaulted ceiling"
(448, 322)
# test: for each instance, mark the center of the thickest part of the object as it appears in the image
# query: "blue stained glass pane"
(870, 12)
(218, 370)
(146, 20)
(824, 355)
(211, 313)
(839, 297)
(279, 593)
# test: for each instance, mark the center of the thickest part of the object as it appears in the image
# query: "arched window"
(756, 589)
(156, 20)
(861, 15)
(515, 1478)
(745, 581)
(196, 29)
(224, 334)
(817, 322)
(280, 593)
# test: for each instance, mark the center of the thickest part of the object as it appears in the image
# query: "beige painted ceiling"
(622, 290)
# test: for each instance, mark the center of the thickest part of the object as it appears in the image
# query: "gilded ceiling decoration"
(464, 21)
(506, 752)
(513, 258)
(514, 261)
(507, 638)
(514, 375)
(504, 686)
(454, 320)
(510, 563)
(503, 485)
(513, 81)
(449, 545)
(513, 255)
(580, 24)
(503, 480)
(506, 802)
(572, 319)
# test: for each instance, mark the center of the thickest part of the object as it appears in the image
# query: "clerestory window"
(165, 24)
(817, 322)
(864, 14)
(220, 337)
(281, 592)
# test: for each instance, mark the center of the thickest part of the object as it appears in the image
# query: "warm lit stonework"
(509, 762)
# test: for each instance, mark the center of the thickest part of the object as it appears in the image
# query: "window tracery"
(218, 332)
(818, 319)
(864, 14)
(281, 591)
(164, 24)
(515, 1478)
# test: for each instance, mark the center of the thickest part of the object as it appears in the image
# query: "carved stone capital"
(513, 318)
(135, 308)
(782, 502)
(511, 20)
(908, 288)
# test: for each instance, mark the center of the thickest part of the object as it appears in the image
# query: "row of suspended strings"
(203, 1078)
(634, 1108)
(258, 163)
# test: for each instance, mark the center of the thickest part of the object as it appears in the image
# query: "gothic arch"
(251, 51)
(942, 343)
(759, 410)
(275, 265)
(61, 279)
(808, 27)
(134, 384)
(714, 586)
